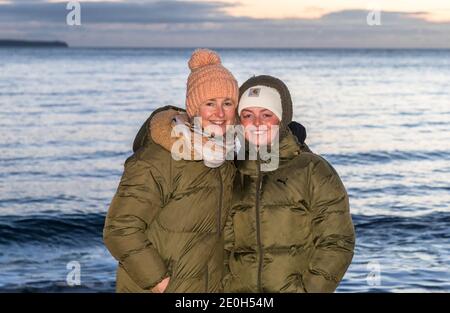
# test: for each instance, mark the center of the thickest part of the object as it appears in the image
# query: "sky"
(233, 23)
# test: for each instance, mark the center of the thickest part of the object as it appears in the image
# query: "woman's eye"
(210, 104)
(228, 103)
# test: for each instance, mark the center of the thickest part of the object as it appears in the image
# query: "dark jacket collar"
(289, 148)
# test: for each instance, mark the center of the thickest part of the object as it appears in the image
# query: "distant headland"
(32, 44)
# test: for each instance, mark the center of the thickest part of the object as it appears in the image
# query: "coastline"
(13, 43)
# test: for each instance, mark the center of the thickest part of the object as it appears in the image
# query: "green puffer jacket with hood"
(290, 229)
(167, 216)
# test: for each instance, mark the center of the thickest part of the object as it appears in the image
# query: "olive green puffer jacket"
(289, 230)
(167, 219)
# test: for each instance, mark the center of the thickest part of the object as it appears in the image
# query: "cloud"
(193, 24)
(140, 12)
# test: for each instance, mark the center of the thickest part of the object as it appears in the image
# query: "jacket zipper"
(219, 222)
(258, 226)
(206, 278)
(219, 214)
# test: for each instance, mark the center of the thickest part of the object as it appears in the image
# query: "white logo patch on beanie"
(264, 97)
(254, 92)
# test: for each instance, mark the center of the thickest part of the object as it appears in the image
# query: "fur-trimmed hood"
(144, 134)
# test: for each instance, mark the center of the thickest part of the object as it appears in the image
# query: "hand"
(161, 287)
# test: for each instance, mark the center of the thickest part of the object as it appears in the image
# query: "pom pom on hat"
(203, 57)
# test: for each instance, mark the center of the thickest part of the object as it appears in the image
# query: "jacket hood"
(160, 117)
(161, 126)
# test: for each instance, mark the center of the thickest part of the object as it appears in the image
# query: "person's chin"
(221, 131)
(216, 129)
(228, 128)
(257, 142)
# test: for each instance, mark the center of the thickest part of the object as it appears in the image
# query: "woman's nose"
(219, 111)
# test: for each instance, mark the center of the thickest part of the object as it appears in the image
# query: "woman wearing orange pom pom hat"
(165, 222)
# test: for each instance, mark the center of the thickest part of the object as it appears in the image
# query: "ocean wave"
(63, 229)
(364, 158)
(50, 286)
(86, 228)
(427, 221)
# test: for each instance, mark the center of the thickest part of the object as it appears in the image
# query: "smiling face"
(259, 125)
(217, 113)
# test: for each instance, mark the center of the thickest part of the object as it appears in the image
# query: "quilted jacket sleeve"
(138, 199)
(333, 231)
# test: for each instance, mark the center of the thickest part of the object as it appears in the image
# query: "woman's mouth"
(219, 123)
(259, 132)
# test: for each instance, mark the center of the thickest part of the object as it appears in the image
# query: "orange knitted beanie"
(208, 79)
